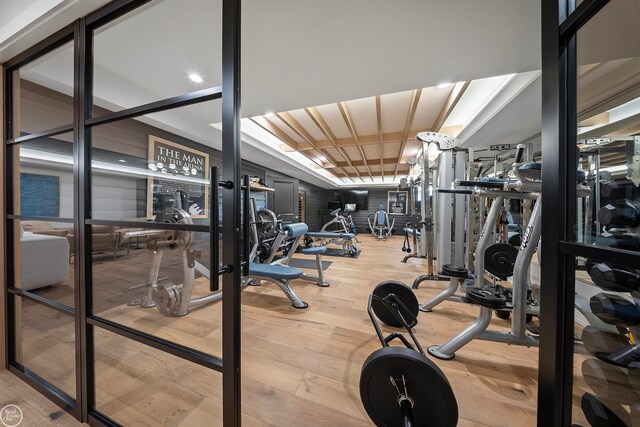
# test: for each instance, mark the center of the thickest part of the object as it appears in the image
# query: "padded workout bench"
(325, 238)
(280, 275)
(297, 231)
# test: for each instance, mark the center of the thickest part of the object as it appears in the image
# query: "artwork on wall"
(39, 195)
(176, 168)
(397, 202)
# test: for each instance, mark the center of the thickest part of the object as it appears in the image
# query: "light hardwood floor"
(300, 367)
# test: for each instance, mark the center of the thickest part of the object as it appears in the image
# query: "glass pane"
(43, 177)
(140, 165)
(607, 356)
(608, 104)
(44, 89)
(160, 50)
(150, 283)
(45, 344)
(139, 385)
(43, 254)
(605, 386)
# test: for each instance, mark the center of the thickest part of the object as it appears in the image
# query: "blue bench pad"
(297, 229)
(274, 271)
(327, 235)
(314, 250)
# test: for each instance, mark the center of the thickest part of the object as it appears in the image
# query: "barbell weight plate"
(499, 259)
(434, 401)
(489, 297)
(266, 223)
(403, 293)
(453, 271)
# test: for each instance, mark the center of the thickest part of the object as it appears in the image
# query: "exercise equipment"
(609, 382)
(500, 259)
(380, 224)
(599, 415)
(615, 310)
(614, 279)
(404, 301)
(399, 386)
(344, 224)
(623, 215)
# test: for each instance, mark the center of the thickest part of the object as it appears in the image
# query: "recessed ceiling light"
(122, 160)
(270, 114)
(443, 85)
(195, 78)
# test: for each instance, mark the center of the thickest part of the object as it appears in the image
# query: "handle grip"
(453, 191)
(479, 170)
(214, 227)
(246, 225)
(481, 184)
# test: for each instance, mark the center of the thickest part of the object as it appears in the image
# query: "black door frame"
(561, 20)
(81, 32)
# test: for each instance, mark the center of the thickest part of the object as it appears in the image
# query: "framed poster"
(397, 202)
(177, 170)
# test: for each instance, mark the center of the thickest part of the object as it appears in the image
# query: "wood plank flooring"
(300, 367)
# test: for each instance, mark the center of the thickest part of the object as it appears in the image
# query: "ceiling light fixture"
(270, 114)
(443, 85)
(122, 160)
(195, 78)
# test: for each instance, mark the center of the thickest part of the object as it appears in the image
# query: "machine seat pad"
(278, 272)
(314, 250)
(329, 235)
(410, 231)
(296, 229)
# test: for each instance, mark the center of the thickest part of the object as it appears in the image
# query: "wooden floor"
(300, 367)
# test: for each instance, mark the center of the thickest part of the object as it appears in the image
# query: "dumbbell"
(619, 216)
(617, 190)
(614, 279)
(609, 382)
(600, 415)
(601, 341)
(615, 310)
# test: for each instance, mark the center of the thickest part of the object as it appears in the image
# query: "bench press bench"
(280, 275)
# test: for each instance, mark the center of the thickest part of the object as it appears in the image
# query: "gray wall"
(317, 199)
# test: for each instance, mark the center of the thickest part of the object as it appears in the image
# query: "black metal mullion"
(557, 269)
(112, 11)
(51, 304)
(39, 218)
(585, 11)
(154, 107)
(43, 47)
(98, 419)
(603, 254)
(150, 225)
(231, 235)
(9, 301)
(81, 162)
(44, 387)
(42, 134)
(179, 350)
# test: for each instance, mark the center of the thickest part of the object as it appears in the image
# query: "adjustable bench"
(324, 238)
(280, 275)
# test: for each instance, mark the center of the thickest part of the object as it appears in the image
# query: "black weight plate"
(434, 401)
(488, 297)
(453, 271)
(499, 259)
(404, 294)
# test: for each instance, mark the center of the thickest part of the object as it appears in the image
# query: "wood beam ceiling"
(346, 116)
(413, 106)
(319, 121)
(380, 143)
(274, 130)
(449, 105)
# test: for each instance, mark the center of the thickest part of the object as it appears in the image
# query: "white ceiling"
(299, 53)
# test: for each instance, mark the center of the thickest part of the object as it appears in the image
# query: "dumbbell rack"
(613, 371)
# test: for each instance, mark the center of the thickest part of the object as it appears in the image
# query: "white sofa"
(44, 260)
